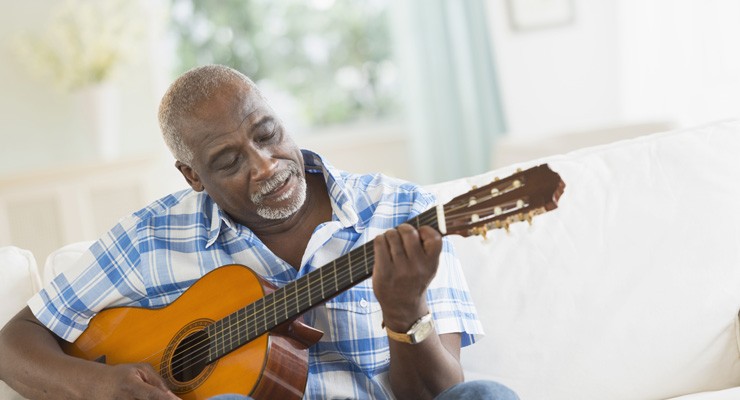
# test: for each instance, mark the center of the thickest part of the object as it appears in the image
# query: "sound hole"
(190, 357)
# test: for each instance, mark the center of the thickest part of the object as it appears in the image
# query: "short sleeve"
(104, 276)
(450, 301)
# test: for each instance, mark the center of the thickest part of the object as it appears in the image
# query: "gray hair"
(187, 92)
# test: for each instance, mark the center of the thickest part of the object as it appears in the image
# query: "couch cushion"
(61, 259)
(19, 280)
(726, 394)
(631, 288)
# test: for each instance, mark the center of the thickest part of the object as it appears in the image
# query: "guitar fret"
(321, 281)
(242, 334)
(227, 333)
(297, 302)
(364, 255)
(285, 308)
(210, 334)
(234, 332)
(264, 313)
(349, 262)
(224, 336)
(220, 340)
(274, 311)
(308, 285)
(336, 284)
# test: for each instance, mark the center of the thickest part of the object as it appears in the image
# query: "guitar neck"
(297, 297)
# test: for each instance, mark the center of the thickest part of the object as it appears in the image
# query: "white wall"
(681, 60)
(620, 62)
(43, 127)
(559, 78)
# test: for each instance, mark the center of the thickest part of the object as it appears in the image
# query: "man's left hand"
(406, 260)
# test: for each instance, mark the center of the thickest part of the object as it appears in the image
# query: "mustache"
(274, 182)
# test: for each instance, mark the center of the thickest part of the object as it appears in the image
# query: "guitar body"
(274, 365)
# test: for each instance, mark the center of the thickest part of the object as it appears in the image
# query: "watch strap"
(412, 336)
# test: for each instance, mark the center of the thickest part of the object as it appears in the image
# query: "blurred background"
(425, 90)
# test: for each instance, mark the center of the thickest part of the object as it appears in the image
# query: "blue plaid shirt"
(151, 257)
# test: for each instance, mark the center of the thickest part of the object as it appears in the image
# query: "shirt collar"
(342, 202)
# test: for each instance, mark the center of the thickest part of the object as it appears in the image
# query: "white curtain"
(450, 88)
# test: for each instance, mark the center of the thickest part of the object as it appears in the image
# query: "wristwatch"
(420, 330)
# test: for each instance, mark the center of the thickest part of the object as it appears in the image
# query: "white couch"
(629, 290)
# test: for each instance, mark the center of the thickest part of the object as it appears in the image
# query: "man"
(257, 200)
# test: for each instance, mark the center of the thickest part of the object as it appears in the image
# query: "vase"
(100, 110)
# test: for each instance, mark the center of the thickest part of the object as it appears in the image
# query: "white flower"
(85, 42)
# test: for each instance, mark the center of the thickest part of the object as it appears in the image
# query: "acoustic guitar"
(252, 340)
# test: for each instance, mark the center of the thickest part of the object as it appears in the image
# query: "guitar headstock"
(502, 202)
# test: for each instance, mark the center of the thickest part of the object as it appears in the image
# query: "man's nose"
(262, 164)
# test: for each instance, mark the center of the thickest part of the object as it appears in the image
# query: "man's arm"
(34, 365)
(406, 260)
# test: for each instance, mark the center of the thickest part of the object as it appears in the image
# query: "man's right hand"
(132, 381)
(34, 364)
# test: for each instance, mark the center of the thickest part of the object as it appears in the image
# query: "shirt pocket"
(355, 332)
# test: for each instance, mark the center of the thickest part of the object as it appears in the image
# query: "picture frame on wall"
(525, 15)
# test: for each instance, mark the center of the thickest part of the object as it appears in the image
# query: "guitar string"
(272, 307)
(229, 326)
(282, 302)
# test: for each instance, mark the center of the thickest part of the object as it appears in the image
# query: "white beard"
(296, 197)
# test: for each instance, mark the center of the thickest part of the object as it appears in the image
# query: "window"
(320, 62)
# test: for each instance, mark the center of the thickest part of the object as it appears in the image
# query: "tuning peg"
(529, 217)
(480, 231)
(507, 222)
(473, 201)
(517, 183)
(519, 170)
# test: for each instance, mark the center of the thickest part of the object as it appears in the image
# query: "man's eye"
(270, 134)
(231, 163)
(266, 137)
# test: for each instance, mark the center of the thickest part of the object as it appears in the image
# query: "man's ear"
(191, 177)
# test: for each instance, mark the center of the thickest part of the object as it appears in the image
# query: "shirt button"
(363, 303)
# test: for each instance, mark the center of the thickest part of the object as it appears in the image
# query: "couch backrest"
(19, 280)
(631, 288)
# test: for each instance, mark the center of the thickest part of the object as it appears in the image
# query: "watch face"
(422, 330)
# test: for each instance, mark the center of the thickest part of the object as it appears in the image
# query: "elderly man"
(257, 200)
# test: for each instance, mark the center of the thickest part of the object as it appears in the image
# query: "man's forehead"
(230, 109)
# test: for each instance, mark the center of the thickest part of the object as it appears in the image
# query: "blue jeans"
(474, 390)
